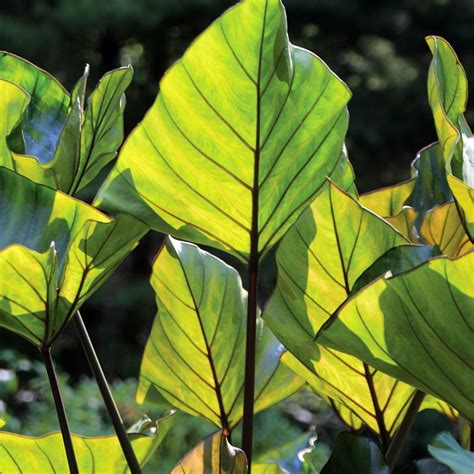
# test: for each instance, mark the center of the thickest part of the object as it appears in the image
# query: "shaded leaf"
(47, 111)
(357, 455)
(55, 252)
(442, 227)
(268, 124)
(214, 455)
(446, 450)
(416, 326)
(195, 353)
(46, 453)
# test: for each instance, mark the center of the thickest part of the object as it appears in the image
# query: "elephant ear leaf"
(102, 130)
(319, 261)
(416, 326)
(55, 252)
(447, 93)
(46, 454)
(201, 327)
(239, 140)
(214, 455)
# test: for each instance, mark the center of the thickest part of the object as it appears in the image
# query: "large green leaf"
(58, 143)
(214, 455)
(357, 455)
(55, 252)
(239, 140)
(42, 124)
(319, 261)
(101, 454)
(195, 353)
(446, 450)
(447, 93)
(416, 326)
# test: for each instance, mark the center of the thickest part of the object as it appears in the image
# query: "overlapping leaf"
(56, 142)
(319, 261)
(416, 326)
(55, 252)
(447, 93)
(45, 454)
(389, 203)
(213, 455)
(446, 450)
(195, 353)
(442, 227)
(239, 140)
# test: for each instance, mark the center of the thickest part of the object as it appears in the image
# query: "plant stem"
(109, 402)
(58, 401)
(400, 437)
(249, 390)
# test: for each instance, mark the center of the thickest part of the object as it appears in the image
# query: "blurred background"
(376, 47)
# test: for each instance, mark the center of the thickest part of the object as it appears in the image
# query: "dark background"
(376, 46)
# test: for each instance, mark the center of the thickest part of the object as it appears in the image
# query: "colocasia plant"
(243, 152)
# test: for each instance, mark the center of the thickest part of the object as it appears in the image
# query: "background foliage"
(378, 48)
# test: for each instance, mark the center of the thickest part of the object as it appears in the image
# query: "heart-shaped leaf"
(267, 125)
(195, 353)
(319, 261)
(45, 454)
(416, 326)
(55, 252)
(213, 455)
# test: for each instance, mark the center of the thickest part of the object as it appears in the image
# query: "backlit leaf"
(195, 353)
(416, 326)
(214, 455)
(55, 252)
(45, 454)
(239, 140)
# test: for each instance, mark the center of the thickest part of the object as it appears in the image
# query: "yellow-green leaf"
(214, 455)
(195, 355)
(239, 140)
(416, 326)
(55, 251)
(101, 454)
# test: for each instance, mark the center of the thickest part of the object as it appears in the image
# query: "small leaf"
(416, 326)
(195, 353)
(442, 226)
(464, 196)
(55, 252)
(446, 450)
(239, 140)
(357, 455)
(45, 454)
(214, 455)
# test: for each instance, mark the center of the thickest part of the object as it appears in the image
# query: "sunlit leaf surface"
(195, 353)
(101, 454)
(214, 455)
(55, 252)
(239, 140)
(416, 326)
